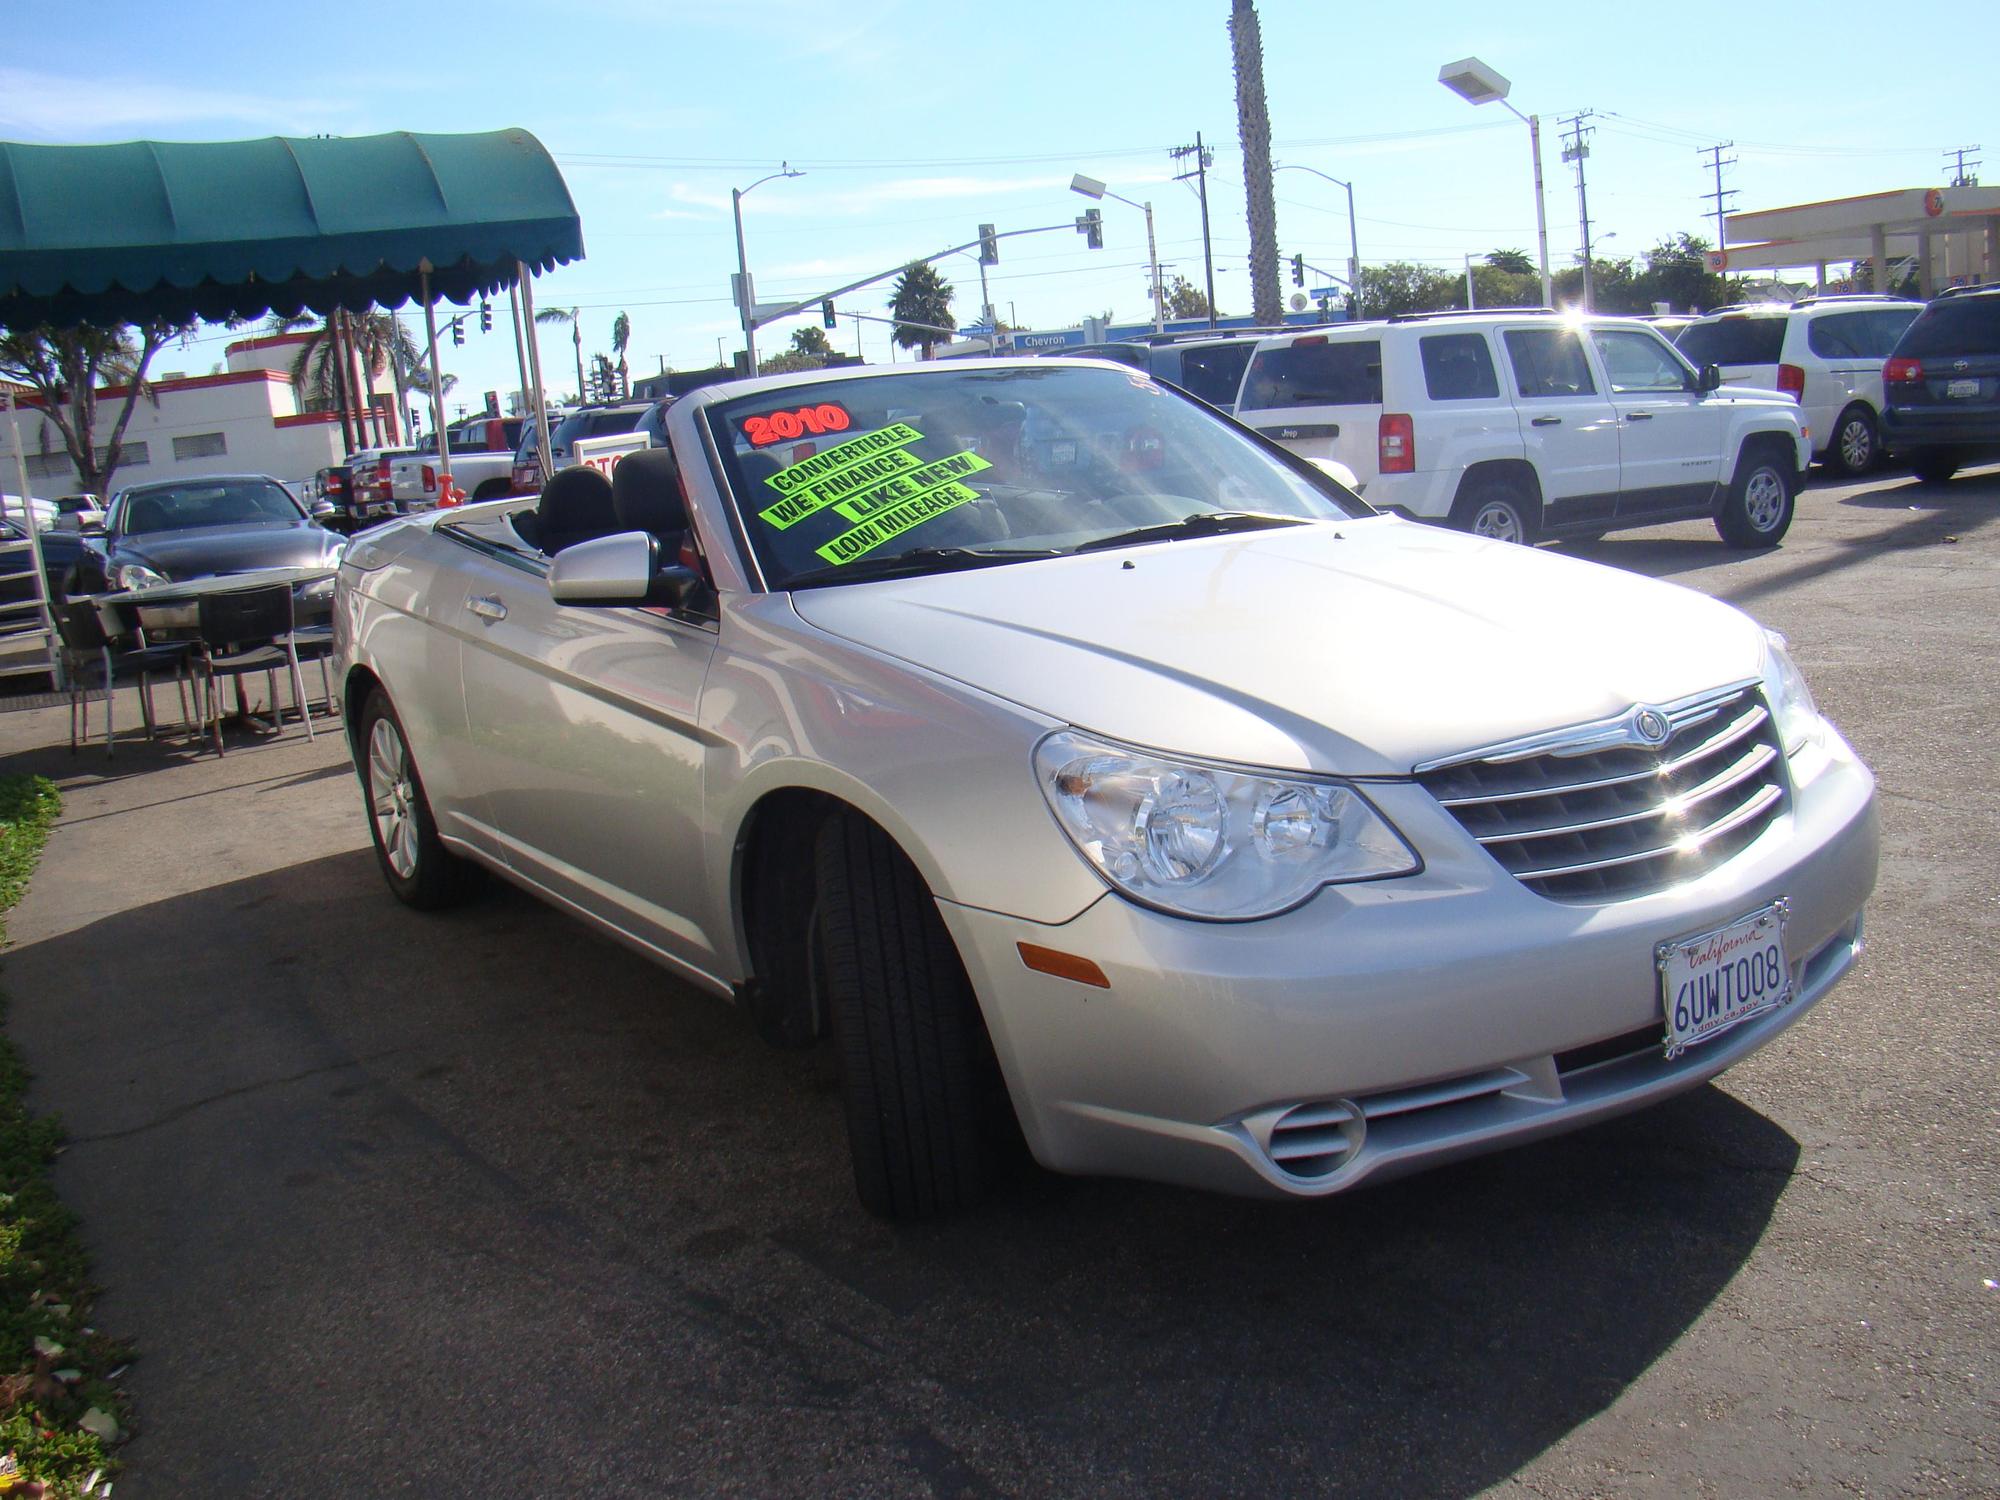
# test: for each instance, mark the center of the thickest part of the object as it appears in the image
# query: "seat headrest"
(646, 493)
(575, 506)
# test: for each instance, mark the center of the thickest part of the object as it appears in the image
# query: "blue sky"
(915, 122)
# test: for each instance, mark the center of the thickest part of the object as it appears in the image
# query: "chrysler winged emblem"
(1651, 726)
(1961, 364)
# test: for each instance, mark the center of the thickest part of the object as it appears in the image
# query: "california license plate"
(1721, 978)
(1958, 388)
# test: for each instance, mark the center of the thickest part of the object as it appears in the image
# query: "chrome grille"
(1604, 820)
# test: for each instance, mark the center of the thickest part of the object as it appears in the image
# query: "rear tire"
(1857, 443)
(1759, 508)
(905, 1026)
(1934, 468)
(1501, 510)
(419, 869)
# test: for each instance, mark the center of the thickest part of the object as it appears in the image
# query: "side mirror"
(322, 509)
(624, 569)
(1711, 378)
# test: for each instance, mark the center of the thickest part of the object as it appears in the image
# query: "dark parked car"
(589, 422)
(62, 561)
(1943, 385)
(1206, 364)
(195, 528)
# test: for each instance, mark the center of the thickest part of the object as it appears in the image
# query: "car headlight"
(1791, 700)
(1211, 841)
(136, 576)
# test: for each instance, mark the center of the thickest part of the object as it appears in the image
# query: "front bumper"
(1451, 1012)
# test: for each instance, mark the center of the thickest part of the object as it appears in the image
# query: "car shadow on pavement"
(483, 1197)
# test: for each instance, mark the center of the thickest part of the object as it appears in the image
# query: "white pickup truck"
(482, 464)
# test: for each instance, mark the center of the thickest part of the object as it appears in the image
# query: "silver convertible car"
(1062, 750)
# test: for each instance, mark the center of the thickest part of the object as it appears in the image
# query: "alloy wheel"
(392, 798)
(1499, 522)
(1764, 500)
(1857, 445)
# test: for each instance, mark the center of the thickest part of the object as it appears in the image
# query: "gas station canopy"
(1952, 234)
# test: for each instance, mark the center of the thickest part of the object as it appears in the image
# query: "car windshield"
(211, 502)
(840, 480)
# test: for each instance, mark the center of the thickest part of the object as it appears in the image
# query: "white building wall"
(237, 423)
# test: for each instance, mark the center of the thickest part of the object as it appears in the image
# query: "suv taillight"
(1396, 444)
(430, 480)
(1903, 371)
(1792, 382)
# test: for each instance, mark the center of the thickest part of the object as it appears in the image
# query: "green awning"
(179, 230)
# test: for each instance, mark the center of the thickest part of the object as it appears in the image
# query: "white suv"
(1521, 425)
(1825, 353)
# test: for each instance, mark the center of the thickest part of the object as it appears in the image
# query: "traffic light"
(1298, 270)
(989, 246)
(458, 331)
(1090, 224)
(826, 313)
(485, 316)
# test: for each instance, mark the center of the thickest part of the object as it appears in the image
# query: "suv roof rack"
(1472, 312)
(1186, 335)
(1813, 299)
(1967, 291)
(1741, 307)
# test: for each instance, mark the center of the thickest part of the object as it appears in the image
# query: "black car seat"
(575, 507)
(646, 496)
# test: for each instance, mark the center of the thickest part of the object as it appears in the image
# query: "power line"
(1721, 195)
(1961, 175)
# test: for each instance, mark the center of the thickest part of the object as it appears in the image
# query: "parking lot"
(483, 1204)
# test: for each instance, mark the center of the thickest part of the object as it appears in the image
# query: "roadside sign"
(1323, 291)
(1718, 260)
(603, 453)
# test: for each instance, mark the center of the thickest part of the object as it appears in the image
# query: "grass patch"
(55, 1369)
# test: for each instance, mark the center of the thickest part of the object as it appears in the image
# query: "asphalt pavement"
(483, 1205)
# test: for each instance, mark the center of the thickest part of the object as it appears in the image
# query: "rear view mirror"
(1711, 377)
(321, 509)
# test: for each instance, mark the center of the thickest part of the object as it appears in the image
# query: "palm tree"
(1514, 262)
(920, 297)
(68, 367)
(621, 336)
(1253, 123)
(381, 344)
(573, 317)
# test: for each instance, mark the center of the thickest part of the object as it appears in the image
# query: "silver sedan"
(1072, 757)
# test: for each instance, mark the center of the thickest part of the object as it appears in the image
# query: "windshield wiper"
(1201, 523)
(918, 560)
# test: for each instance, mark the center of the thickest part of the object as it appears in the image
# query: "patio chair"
(91, 659)
(247, 631)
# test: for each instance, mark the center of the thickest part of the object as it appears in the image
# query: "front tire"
(1856, 445)
(905, 1026)
(419, 869)
(1499, 510)
(1758, 511)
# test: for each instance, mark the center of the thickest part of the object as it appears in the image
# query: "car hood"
(1361, 647)
(203, 550)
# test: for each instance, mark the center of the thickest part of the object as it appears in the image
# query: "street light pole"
(1474, 82)
(746, 302)
(1090, 187)
(1353, 242)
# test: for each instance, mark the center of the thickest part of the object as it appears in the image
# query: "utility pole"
(1961, 173)
(1203, 159)
(1577, 149)
(1721, 195)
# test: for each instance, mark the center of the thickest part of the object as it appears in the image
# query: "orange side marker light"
(1063, 965)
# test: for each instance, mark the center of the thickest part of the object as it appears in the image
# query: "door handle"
(1546, 422)
(486, 607)
(1638, 416)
